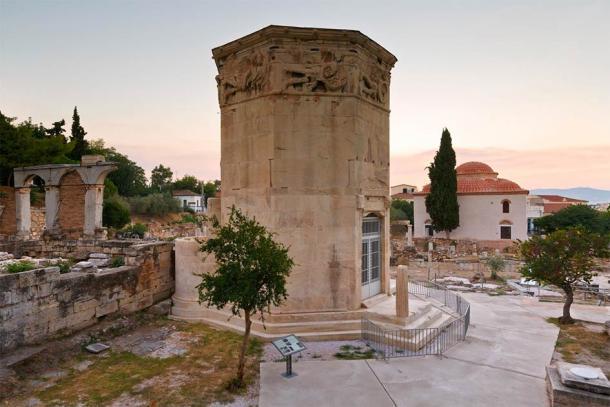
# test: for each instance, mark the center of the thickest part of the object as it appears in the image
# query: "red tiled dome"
(474, 167)
(479, 178)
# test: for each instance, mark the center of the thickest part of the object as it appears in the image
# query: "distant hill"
(590, 194)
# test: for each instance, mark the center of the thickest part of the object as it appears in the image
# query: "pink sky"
(522, 85)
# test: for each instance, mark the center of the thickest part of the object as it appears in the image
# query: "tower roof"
(303, 34)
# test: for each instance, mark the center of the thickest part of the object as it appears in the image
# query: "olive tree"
(250, 275)
(563, 258)
(496, 264)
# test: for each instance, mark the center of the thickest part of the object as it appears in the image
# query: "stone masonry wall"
(71, 210)
(38, 304)
(8, 221)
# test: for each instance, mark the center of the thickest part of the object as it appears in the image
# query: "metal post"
(288, 366)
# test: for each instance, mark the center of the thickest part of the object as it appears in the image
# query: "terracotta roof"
(479, 178)
(559, 198)
(184, 192)
(474, 167)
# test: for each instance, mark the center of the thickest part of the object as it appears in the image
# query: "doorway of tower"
(371, 256)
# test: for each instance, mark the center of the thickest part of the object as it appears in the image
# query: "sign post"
(287, 346)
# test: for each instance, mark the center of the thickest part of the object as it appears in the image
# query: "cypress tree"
(441, 202)
(77, 137)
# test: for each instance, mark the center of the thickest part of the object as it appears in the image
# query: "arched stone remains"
(92, 172)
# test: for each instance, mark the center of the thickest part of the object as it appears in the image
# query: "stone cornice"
(303, 34)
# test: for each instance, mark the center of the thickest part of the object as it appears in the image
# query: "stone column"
(410, 235)
(94, 199)
(402, 292)
(51, 204)
(23, 215)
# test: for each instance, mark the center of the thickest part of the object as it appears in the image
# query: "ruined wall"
(71, 213)
(38, 222)
(8, 221)
(37, 304)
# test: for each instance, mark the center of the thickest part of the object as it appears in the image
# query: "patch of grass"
(201, 376)
(105, 380)
(349, 352)
(64, 266)
(20, 266)
(578, 344)
(117, 261)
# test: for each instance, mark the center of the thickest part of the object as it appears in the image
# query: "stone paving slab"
(330, 383)
(434, 382)
(502, 363)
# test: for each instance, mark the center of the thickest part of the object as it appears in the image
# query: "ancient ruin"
(305, 149)
(73, 199)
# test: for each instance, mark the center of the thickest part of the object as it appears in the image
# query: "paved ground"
(501, 364)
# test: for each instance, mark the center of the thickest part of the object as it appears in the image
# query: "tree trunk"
(567, 318)
(244, 348)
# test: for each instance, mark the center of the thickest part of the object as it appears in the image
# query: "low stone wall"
(37, 304)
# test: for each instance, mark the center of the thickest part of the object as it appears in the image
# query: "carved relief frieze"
(302, 69)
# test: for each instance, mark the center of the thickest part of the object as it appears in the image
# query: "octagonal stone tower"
(305, 149)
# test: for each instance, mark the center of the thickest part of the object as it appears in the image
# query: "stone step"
(374, 300)
(269, 328)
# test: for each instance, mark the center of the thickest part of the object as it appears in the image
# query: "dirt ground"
(152, 361)
(583, 342)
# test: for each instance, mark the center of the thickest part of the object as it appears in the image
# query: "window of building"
(505, 232)
(505, 206)
(428, 230)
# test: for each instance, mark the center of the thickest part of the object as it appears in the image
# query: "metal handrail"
(421, 341)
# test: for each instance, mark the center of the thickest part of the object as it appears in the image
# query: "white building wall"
(480, 217)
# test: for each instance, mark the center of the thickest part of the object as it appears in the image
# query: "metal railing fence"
(389, 343)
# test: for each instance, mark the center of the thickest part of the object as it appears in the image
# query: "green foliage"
(251, 271)
(161, 178)
(496, 264)
(210, 188)
(110, 189)
(26, 144)
(77, 137)
(64, 266)
(129, 178)
(189, 218)
(134, 230)
(115, 212)
(117, 261)
(441, 202)
(20, 266)
(401, 210)
(154, 204)
(575, 215)
(562, 258)
(57, 130)
(188, 182)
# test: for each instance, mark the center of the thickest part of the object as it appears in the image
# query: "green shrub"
(496, 264)
(64, 266)
(20, 266)
(157, 204)
(134, 230)
(189, 218)
(117, 261)
(116, 212)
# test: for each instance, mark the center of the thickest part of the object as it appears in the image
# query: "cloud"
(536, 168)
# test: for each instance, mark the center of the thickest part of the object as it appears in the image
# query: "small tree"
(160, 177)
(250, 275)
(441, 202)
(563, 258)
(496, 264)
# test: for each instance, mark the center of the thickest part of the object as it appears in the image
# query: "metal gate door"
(371, 281)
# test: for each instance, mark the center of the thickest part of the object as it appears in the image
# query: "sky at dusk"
(521, 85)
